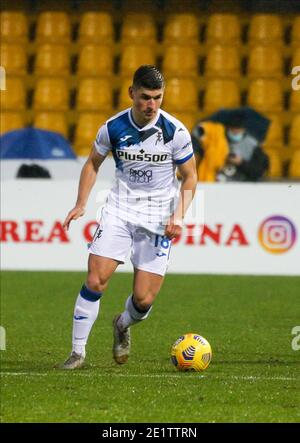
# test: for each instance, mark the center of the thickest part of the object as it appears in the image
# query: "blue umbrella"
(256, 124)
(33, 143)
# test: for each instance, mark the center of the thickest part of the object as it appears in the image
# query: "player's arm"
(87, 180)
(187, 171)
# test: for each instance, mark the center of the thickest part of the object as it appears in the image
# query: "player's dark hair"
(148, 77)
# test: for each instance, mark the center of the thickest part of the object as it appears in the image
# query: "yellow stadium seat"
(51, 94)
(94, 94)
(124, 99)
(294, 166)
(51, 121)
(52, 60)
(265, 62)
(222, 61)
(265, 29)
(294, 132)
(223, 29)
(138, 28)
(187, 118)
(86, 131)
(265, 95)
(13, 98)
(134, 56)
(13, 58)
(221, 93)
(274, 138)
(95, 60)
(295, 34)
(181, 93)
(9, 121)
(275, 166)
(13, 27)
(180, 61)
(294, 105)
(96, 27)
(181, 29)
(53, 27)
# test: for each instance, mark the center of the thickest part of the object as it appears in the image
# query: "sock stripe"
(89, 294)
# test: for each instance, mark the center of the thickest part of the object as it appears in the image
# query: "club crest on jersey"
(140, 156)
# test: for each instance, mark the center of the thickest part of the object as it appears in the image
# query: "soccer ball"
(191, 352)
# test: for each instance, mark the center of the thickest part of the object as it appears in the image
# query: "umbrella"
(255, 123)
(33, 143)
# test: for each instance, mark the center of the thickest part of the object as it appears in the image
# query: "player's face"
(146, 103)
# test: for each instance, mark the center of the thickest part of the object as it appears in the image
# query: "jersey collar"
(144, 128)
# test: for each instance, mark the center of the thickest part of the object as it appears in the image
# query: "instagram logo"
(277, 234)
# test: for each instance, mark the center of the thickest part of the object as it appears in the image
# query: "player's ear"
(130, 92)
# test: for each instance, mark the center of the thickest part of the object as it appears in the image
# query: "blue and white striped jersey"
(146, 186)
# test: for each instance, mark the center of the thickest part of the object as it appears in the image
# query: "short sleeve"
(182, 146)
(102, 143)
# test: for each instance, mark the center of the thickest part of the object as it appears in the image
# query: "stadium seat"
(265, 29)
(133, 56)
(95, 60)
(94, 94)
(86, 131)
(274, 138)
(265, 95)
(51, 121)
(124, 99)
(223, 29)
(295, 34)
(53, 27)
(294, 103)
(180, 61)
(181, 93)
(275, 166)
(96, 27)
(222, 61)
(52, 60)
(51, 94)
(221, 93)
(10, 121)
(138, 28)
(265, 62)
(13, 27)
(181, 29)
(294, 132)
(187, 118)
(294, 166)
(13, 98)
(13, 58)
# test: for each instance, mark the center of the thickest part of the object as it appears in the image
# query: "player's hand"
(173, 228)
(74, 214)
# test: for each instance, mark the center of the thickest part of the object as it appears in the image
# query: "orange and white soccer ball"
(191, 352)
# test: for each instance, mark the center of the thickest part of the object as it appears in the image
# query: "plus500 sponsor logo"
(277, 234)
(141, 157)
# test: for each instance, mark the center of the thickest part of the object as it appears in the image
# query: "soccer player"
(143, 212)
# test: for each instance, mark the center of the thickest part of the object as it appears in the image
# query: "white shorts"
(114, 238)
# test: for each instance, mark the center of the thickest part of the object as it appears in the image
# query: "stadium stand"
(294, 167)
(86, 130)
(75, 59)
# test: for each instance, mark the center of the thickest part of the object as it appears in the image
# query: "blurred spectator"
(228, 152)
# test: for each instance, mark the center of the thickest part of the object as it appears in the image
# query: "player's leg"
(146, 286)
(150, 257)
(109, 247)
(87, 306)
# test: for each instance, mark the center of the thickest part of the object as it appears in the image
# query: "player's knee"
(96, 283)
(144, 301)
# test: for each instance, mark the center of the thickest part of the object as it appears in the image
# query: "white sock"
(85, 314)
(131, 315)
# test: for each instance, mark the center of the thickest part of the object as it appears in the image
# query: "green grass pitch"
(254, 375)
